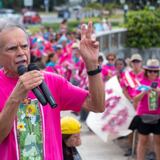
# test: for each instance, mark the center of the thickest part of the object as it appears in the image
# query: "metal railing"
(112, 40)
(115, 41)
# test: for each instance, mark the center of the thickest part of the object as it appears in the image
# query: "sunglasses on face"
(152, 71)
(136, 61)
(111, 59)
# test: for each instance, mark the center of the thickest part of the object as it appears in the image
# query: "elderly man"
(28, 130)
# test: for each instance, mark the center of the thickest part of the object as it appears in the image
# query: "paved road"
(93, 148)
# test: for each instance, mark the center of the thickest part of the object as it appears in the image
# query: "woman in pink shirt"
(131, 79)
(108, 70)
(148, 109)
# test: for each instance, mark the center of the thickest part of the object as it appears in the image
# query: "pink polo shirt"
(143, 106)
(67, 97)
(138, 77)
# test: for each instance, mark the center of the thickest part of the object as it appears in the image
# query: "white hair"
(7, 23)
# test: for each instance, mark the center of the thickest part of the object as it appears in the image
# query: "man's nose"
(20, 51)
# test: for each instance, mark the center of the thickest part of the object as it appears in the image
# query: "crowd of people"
(141, 85)
(71, 66)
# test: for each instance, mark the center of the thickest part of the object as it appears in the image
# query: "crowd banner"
(118, 114)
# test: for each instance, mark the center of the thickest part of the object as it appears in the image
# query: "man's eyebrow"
(13, 46)
(16, 45)
(10, 46)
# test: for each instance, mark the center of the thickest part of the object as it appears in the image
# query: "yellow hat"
(70, 125)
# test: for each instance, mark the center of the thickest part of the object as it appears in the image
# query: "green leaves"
(143, 29)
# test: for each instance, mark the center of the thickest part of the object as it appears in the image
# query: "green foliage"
(16, 4)
(100, 6)
(111, 6)
(37, 4)
(95, 6)
(143, 29)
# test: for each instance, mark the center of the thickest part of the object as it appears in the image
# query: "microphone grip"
(47, 94)
(39, 96)
(21, 70)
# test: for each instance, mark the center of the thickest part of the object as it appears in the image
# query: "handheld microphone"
(44, 88)
(21, 70)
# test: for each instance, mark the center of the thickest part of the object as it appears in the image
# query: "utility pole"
(46, 5)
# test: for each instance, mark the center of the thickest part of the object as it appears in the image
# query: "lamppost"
(125, 9)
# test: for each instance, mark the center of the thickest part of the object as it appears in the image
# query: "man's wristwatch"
(94, 72)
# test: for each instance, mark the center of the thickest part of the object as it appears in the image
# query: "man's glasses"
(152, 71)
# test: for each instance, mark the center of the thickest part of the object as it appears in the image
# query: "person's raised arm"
(89, 50)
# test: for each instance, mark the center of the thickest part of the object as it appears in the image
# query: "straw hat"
(152, 64)
(136, 56)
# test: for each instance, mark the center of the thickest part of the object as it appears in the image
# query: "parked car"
(31, 17)
(11, 15)
(73, 8)
(63, 12)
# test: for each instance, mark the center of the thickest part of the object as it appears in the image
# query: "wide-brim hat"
(136, 56)
(152, 64)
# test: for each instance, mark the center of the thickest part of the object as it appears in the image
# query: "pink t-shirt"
(108, 71)
(67, 96)
(136, 78)
(143, 106)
